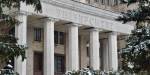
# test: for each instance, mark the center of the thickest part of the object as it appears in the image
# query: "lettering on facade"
(79, 18)
(85, 19)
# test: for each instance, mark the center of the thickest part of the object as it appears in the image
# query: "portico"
(81, 35)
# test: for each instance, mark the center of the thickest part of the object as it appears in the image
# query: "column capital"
(113, 33)
(94, 29)
(50, 19)
(73, 24)
(20, 18)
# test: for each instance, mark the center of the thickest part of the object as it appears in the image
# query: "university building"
(70, 35)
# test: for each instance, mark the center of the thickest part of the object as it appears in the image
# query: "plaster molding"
(73, 24)
(50, 19)
(94, 29)
(76, 6)
(113, 33)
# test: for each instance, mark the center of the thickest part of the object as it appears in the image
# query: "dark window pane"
(59, 64)
(37, 34)
(61, 38)
(88, 51)
(56, 37)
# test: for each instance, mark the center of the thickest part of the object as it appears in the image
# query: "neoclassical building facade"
(69, 35)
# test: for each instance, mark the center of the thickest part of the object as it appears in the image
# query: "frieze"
(84, 19)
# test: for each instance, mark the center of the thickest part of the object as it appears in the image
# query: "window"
(37, 34)
(59, 64)
(59, 37)
(109, 2)
(56, 37)
(88, 51)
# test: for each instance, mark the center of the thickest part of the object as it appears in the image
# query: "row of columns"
(72, 48)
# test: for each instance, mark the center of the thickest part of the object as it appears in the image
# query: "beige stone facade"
(69, 35)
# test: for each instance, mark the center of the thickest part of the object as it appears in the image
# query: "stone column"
(73, 50)
(49, 46)
(105, 55)
(113, 55)
(94, 49)
(21, 34)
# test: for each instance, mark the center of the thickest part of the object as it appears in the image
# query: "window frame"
(59, 37)
(62, 58)
(37, 34)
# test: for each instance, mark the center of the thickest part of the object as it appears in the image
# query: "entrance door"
(38, 63)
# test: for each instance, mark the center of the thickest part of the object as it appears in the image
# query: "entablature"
(84, 8)
(76, 13)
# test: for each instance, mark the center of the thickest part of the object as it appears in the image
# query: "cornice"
(81, 7)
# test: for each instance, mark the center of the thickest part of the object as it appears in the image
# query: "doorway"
(38, 63)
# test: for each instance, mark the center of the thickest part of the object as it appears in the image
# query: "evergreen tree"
(8, 43)
(136, 55)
